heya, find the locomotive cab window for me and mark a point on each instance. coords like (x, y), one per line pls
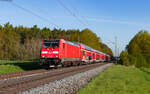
(51, 44)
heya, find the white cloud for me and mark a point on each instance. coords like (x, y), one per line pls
(117, 22)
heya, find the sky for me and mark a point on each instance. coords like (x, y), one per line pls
(107, 18)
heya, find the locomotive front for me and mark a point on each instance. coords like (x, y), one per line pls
(50, 52)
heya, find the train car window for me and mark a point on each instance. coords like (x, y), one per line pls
(93, 54)
(90, 57)
(83, 53)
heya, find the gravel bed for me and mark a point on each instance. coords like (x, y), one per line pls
(68, 85)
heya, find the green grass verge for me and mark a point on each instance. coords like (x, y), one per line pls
(9, 69)
(119, 80)
(6, 62)
(7, 66)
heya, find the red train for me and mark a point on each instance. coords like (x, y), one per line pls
(61, 52)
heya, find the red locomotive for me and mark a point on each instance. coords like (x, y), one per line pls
(61, 52)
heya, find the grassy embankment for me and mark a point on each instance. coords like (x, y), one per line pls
(119, 80)
(17, 66)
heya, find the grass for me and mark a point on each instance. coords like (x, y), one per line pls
(119, 80)
(7, 66)
(9, 69)
(146, 70)
(6, 62)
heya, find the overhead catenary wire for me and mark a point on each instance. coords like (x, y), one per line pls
(114, 43)
(83, 17)
(73, 14)
(33, 13)
(85, 20)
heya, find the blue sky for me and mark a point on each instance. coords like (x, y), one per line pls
(107, 18)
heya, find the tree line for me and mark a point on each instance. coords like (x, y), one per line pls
(23, 43)
(137, 52)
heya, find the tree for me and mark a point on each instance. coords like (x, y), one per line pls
(89, 38)
(106, 49)
(138, 49)
(23, 43)
(124, 58)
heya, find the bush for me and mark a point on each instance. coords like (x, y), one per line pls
(132, 60)
(141, 62)
(124, 58)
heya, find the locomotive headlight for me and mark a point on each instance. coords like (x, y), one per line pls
(56, 56)
(55, 52)
(44, 52)
(43, 56)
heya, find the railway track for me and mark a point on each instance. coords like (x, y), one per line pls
(24, 82)
(15, 75)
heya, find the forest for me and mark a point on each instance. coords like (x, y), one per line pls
(137, 52)
(23, 43)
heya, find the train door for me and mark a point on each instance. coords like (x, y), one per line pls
(64, 49)
(94, 57)
(83, 56)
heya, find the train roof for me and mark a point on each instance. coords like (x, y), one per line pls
(52, 39)
(86, 47)
(90, 49)
(72, 43)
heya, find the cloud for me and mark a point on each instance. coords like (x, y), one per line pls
(117, 22)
